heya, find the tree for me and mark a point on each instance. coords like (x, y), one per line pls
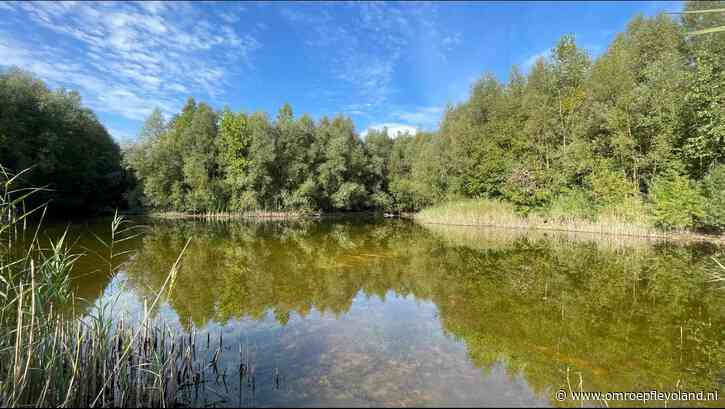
(69, 150)
(704, 142)
(200, 166)
(645, 120)
(713, 186)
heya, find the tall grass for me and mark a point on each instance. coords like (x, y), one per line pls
(498, 238)
(494, 213)
(50, 360)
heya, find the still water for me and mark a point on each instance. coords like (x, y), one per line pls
(392, 313)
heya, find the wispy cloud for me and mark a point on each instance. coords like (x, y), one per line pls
(127, 58)
(422, 117)
(371, 42)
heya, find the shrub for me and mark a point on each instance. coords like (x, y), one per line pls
(631, 209)
(382, 200)
(609, 187)
(575, 203)
(677, 204)
(407, 194)
(525, 188)
(349, 196)
(713, 186)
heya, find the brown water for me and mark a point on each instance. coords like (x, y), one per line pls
(391, 313)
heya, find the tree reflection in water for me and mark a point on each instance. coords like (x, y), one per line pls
(361, 312)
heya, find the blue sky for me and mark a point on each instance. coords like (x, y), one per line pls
(396, 64)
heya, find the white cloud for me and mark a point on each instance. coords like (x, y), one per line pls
(177, 87)
(423, 117)
(452, 40)
(532, 59)
(154, 7)
(229, 17)
(129, 58)
(121, 135)
(412, 121)
(394, 129)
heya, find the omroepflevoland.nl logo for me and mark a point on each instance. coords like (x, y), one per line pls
(642, 396)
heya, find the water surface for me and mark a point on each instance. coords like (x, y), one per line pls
(390, 313)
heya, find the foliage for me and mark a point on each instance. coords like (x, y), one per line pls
(677, 202)
(204, 161)
(609, 187)
(593, 138)
(68, 150)
(590, 136)
(713, 186)
(572, 203)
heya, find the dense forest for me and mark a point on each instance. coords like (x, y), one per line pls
(60, 145)
(638, 130)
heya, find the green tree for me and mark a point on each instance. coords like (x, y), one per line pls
(713, 186)
(70, 151)
(677, 203)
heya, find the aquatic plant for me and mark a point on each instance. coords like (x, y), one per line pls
(50, 360)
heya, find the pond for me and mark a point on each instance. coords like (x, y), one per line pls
(379, 312)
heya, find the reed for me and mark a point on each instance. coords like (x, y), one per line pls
(499, 238)
(50, 360)
(494, 213)
(718, 275)
(99, 363)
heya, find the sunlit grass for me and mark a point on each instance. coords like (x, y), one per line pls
(495, 213)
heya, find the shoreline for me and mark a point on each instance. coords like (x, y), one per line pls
(676, 236)
(583, 228)
(267, 215)
(225, 215)
(497, 214)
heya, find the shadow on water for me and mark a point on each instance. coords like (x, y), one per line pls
(392, 313)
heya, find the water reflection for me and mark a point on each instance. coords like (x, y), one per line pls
(392, 313)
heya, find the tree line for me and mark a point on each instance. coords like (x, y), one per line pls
(641, 129)
(638, 130)
(202, 160)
